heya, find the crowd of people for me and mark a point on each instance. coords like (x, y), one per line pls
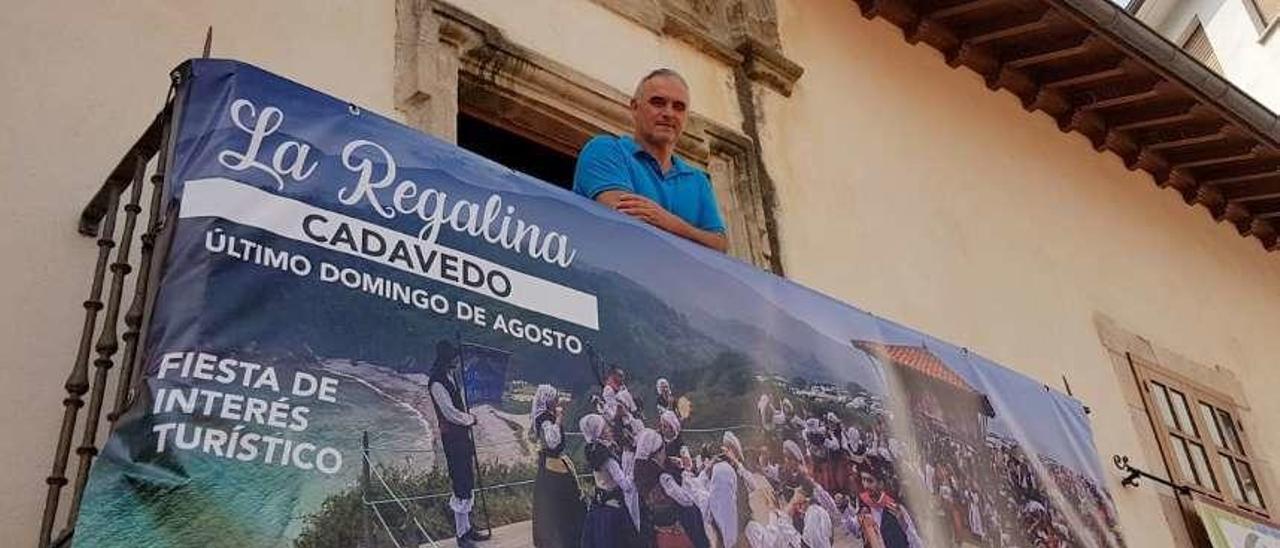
(650, 487)
(963, 489)
(805, 476)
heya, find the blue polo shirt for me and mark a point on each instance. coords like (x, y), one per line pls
(618, 163)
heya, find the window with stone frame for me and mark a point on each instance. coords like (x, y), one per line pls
(1197, 45)
(1201, 438)
(1266, 11)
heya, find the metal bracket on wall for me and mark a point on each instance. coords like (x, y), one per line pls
(1131, 480)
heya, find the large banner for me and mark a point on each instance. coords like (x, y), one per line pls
(364, 336)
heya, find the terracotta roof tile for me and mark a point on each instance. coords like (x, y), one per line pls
(918, 358)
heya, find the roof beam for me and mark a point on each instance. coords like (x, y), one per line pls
(1188, 141)
(1238, 216)
(1264, 208)
(1256, 197)
(1004, 30)
(1141, 123)
(1264, 189)
(1123, 146)
(960, 8)
(1118, 95)
(1096, 74)
(1210, 160)
(1087, 123)
(1052, 53)
(894, 11)
(1124, 99)
(1243, 178)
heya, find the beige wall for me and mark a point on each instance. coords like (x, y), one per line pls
(82, 79)
(909, 189)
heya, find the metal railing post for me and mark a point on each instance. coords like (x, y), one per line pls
(133, 319)
(78, 380)
(107, 343)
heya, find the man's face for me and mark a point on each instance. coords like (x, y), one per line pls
(870, 483)
(659, 112)
(842, 501)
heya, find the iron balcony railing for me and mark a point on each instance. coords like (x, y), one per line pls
(114, 216)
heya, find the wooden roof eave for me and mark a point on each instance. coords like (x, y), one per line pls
(1098, 71)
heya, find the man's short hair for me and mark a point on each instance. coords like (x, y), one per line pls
(655, 73)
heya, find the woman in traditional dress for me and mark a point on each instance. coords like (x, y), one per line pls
(679, 460)
(730, 487)
(722, 495)
(837, 458)
(809, 518)
(557, 501)
(614, 515)
(821, 455)
(663, 500)
(669, 428)
(794, 472)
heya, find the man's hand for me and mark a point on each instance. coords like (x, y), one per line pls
(650, 212)
(647, 210)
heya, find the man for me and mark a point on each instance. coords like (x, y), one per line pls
(666, 399)
(622, 411)
(642, 177)
(880, 520)
(455, 435)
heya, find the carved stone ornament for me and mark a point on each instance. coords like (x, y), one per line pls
(736, 32)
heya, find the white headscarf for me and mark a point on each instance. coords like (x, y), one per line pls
(648, 442)
(592, 427)
(730, 440)
(762, 405)
(778, 533)
(542, 400)
(670, 420)
(885, 453)
(663, 385)
(789, 447)
(813, 425)
(626, 401)
(757, 536)
(852, 436)
(723, 501)
(817, 527)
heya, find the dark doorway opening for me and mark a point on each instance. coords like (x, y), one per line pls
(515, 151)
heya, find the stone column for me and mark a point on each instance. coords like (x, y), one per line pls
(429, 49)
